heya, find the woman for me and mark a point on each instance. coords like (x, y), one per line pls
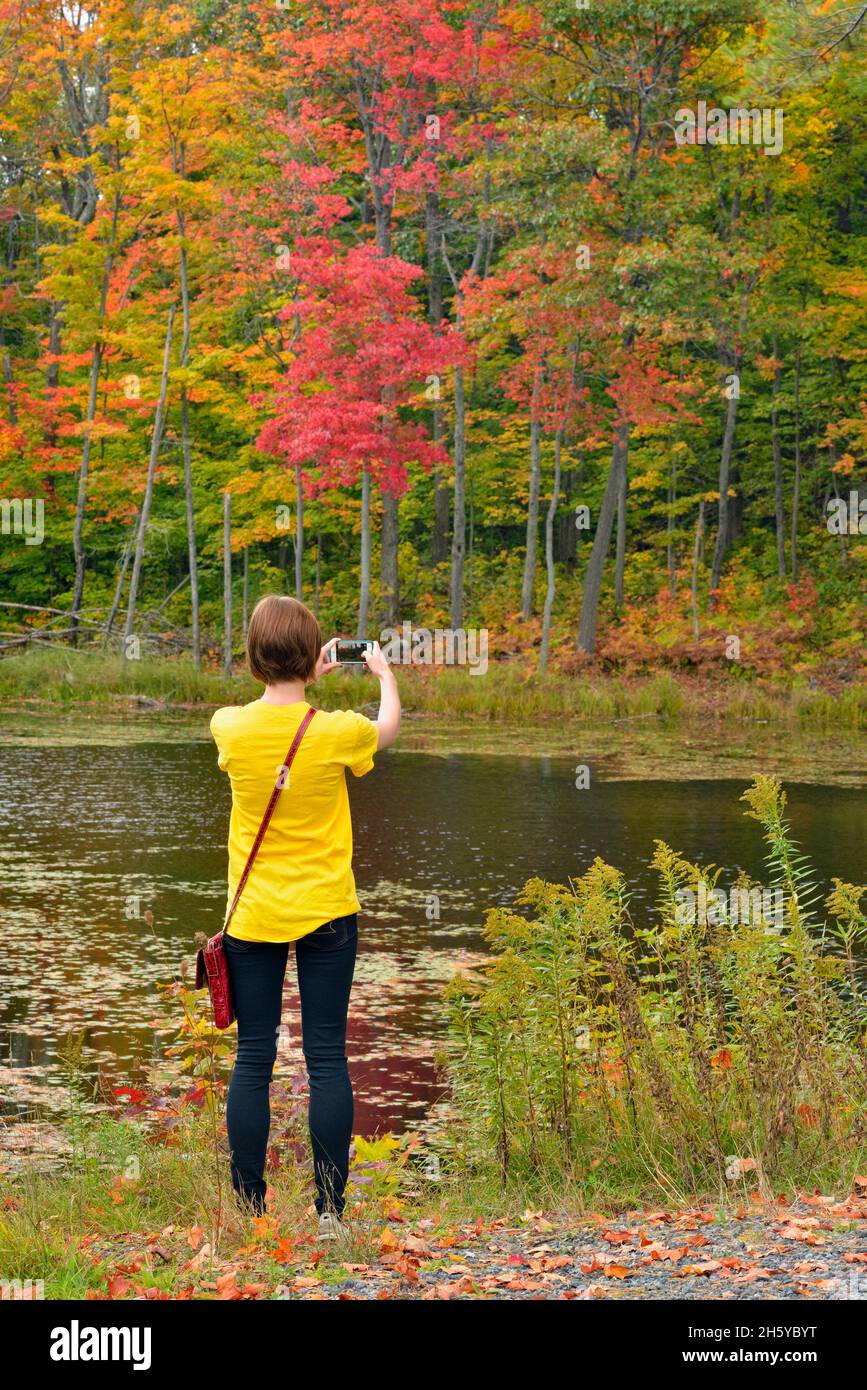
(300, 889)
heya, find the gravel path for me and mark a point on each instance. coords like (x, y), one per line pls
(811, 1249)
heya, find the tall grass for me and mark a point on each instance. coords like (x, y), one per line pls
(70, 677)
(666, 1057)
(507, 693)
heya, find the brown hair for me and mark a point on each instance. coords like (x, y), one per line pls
(283, 640)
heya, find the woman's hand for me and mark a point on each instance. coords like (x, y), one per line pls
(376, 662)
(324, 663)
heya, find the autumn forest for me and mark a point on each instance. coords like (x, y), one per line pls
(545, 318)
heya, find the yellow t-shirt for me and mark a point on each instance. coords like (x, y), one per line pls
(302, 874)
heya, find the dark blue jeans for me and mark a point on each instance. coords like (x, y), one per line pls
(325, 960)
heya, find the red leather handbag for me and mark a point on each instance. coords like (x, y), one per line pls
(212, 968)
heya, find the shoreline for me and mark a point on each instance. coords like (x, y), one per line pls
(648, 747)
(511, 692)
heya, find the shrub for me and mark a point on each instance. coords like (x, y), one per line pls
(684, 1056)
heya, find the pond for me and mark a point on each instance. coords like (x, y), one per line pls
(97, 830)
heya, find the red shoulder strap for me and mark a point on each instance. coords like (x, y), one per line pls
(269, 811)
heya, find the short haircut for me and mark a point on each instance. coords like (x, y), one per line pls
(284, 640)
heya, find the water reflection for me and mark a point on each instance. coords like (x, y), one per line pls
(94, 837)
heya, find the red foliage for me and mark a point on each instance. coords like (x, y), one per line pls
(361, 354)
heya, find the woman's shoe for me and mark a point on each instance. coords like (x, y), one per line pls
(332, 1228)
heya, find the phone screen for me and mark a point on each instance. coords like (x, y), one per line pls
(350, 651)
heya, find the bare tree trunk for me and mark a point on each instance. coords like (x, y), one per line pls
(620, 561)
(192, 557)
(602, 540)
(10, 389)
(379, 151)
(379, 157)
(471, 549)
(440, 542)
(299, 535)
(156, 441)
(670, 556)
(796, 489)
(669, 526)
(364, 588)
(528, 584)
(81, 499)
(566, 530)
(118, 590)
(459, 531)
(245, 595)
(318, 573)
(724, 472)
(52, 375)
(95, 367)
(439, 546)
(844, 542)
(459, 538)
(549, 556)
(86, 100)
(779, 503)
(696, 558)
(390, 589)
(192, 551)
(227, 583)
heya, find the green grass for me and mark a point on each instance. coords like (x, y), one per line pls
(508, 692)
(82, 677)
(71, 1227)
(83, 1224)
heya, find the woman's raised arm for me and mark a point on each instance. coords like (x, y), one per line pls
(388, 719)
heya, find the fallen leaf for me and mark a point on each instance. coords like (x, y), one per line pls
(194, 1237)
(227, 1287)
(388, 1241)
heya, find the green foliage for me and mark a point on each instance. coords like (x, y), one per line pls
(603, 1054)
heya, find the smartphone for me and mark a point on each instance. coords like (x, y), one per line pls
(350, 651)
